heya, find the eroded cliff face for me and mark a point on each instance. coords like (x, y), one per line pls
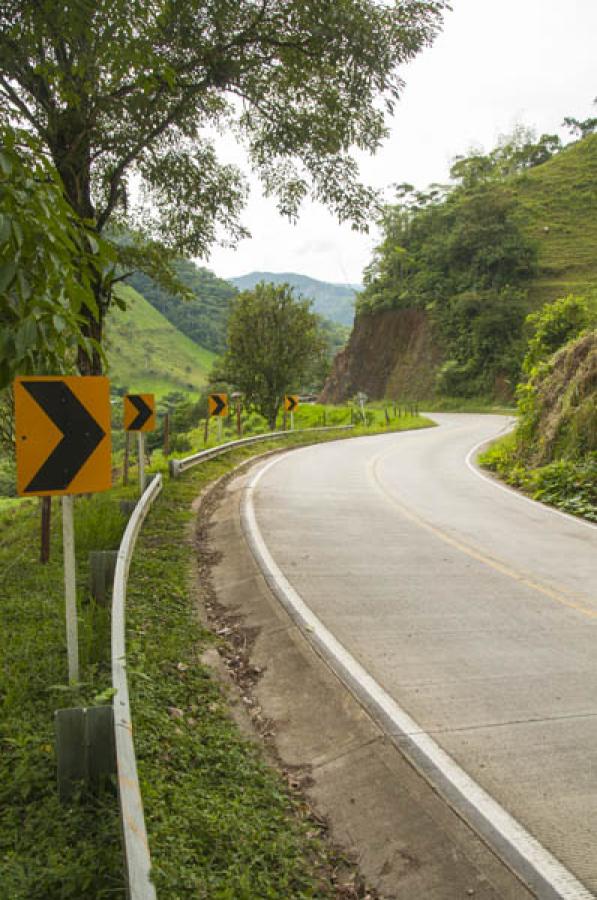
(390, 354)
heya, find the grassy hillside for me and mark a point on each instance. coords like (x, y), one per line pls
(147, 353)
(508, 237)
(557, 207)
(334, 301)
(202, 318)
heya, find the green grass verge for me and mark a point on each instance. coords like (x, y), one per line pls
(49, 851)
(221, 823)
(467, 405)
(569, 485)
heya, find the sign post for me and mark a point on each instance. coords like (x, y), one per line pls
(291, 402)
(63, 443)
(362, 398)
(139, 416)
(70, 588)
(217, 405)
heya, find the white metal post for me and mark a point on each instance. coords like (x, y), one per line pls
(220, 429)
(292, 421)
(70, 588)
(141, 454)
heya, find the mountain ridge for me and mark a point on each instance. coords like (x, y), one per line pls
(334, 300)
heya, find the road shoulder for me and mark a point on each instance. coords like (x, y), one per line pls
(407, 840)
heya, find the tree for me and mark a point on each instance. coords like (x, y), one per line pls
(274, 341)
(555, 324)
(48, 260)
(123, 91)
(583, 127)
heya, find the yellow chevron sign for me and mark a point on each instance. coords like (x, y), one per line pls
(63, 438)
(217, 404)
(291, 402)
(139, 412)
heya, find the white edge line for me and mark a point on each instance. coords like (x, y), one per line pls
(509, 490)
(536, 865)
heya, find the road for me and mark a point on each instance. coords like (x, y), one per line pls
(472, 607)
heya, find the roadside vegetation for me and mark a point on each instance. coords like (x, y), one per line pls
(49, 850)
(552, 455)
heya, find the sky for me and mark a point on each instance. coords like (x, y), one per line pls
(496, 64)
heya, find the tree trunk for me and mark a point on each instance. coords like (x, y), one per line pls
(72, 158)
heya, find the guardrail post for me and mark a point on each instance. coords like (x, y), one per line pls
(102, 565)
(84, 748)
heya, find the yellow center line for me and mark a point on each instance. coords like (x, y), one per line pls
(496, 565)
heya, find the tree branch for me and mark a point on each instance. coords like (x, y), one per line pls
(14, 98)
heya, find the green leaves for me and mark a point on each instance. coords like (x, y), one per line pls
(48, 263)
(273, 342)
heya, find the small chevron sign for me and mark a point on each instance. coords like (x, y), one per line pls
(217, 404)
(139, 412)
(291, 402)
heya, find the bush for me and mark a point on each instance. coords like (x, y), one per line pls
(8, 479)
(555, 324)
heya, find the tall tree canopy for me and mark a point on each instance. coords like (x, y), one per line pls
(125, 92)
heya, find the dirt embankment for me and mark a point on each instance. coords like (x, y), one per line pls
(566, 403)
(390, 354)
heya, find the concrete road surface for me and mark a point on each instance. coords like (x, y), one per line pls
(472, 607)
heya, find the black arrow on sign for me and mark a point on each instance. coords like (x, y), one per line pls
(220, 405)
(81, 435)
(143, 412)
(291, 404)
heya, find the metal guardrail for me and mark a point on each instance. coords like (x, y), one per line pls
(136, 848)
(177, 466)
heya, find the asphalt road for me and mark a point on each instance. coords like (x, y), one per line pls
(475, 609)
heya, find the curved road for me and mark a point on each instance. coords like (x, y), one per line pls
(473, 608)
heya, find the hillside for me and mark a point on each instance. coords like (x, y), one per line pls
(202, 318)
(334, 301)
(466, 336)
(147, 353)
(557, 207)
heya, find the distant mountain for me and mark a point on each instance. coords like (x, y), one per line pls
(334, 301)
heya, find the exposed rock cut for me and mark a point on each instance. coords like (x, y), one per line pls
(390, 354)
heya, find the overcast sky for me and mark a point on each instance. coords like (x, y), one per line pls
(497, 63)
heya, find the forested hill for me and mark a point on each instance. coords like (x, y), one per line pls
(203, 318)
(448, 289)
(331, 300)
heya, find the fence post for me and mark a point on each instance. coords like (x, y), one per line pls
(125, 464)
(46, 519)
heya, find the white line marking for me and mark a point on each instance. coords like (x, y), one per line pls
(555, 877)
(509, 490)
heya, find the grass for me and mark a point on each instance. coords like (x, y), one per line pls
(49, 851)
(149, 355)
(222, 824)
(467, 405)
(557, 207)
